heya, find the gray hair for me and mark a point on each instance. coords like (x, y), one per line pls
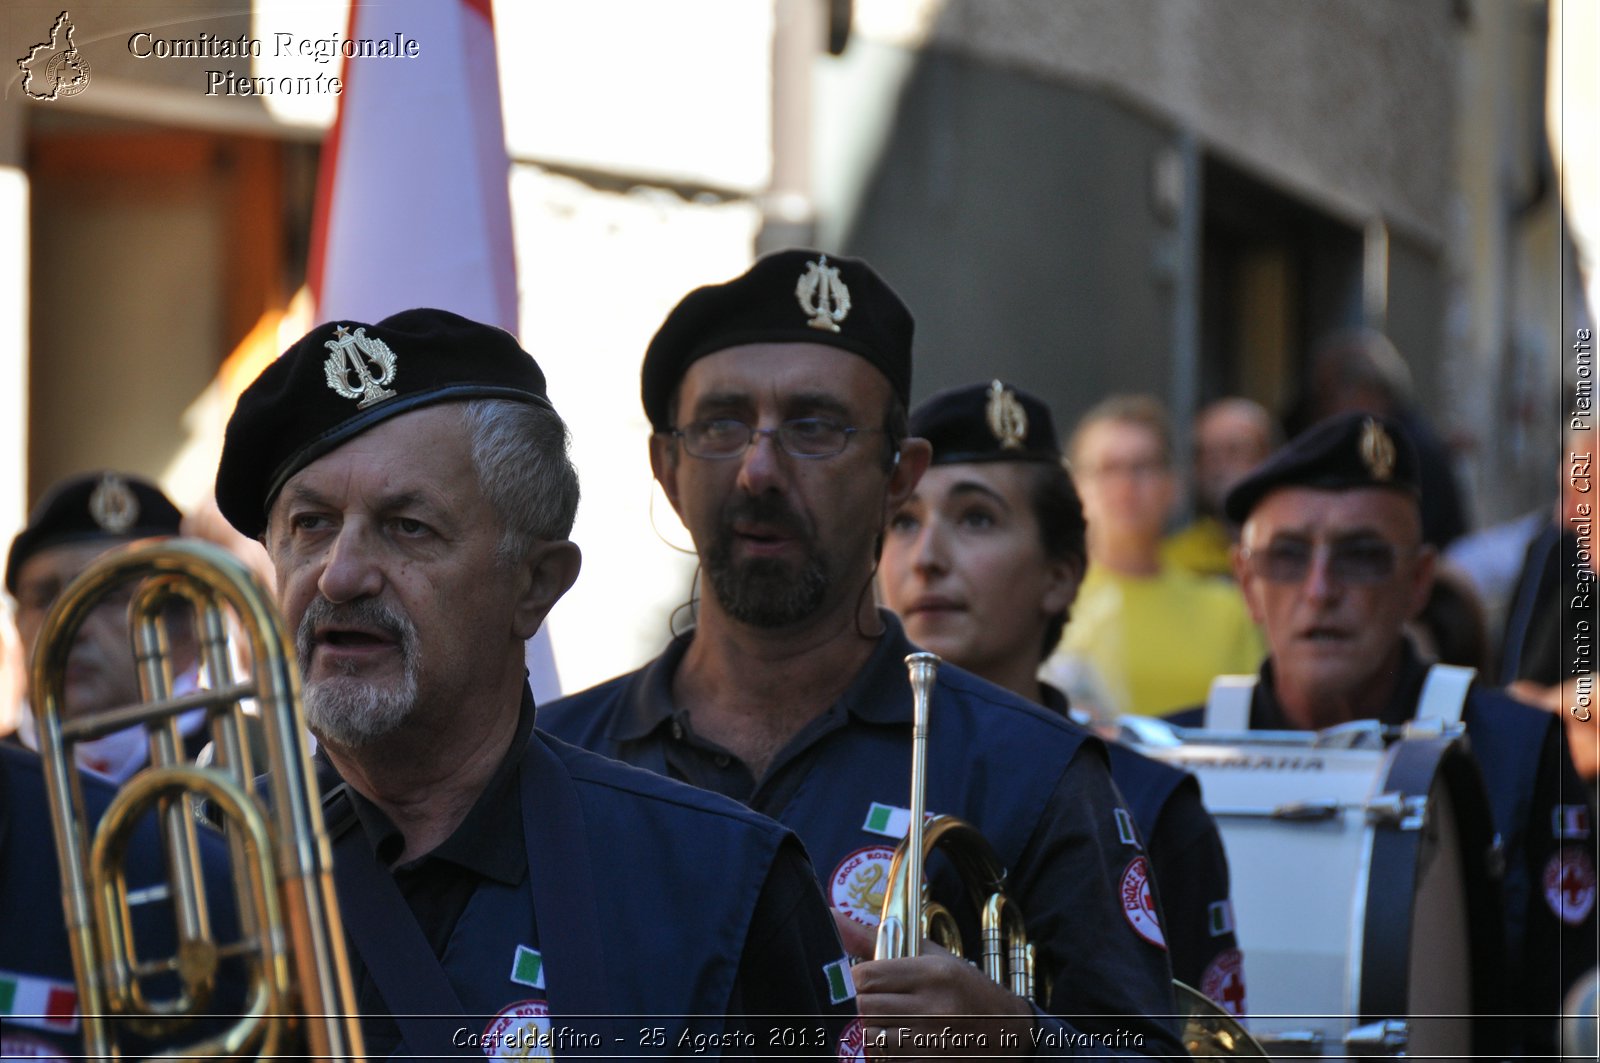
(519, 450)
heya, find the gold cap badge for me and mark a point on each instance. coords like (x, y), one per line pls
(1007, 419)
(1377, 451)
(357, 354)
(113, 504)
(823, 295)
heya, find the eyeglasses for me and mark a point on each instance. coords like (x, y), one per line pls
(1357, 561)
(801, 437)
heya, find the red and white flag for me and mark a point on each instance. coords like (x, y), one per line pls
(413, 200)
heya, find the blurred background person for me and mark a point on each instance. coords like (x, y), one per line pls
(1490, 559)
(982, 564)
(1453, 627)
(78, 520)
(1231, 436)
(1359, 369)
(1545, 659)
(1146, 636)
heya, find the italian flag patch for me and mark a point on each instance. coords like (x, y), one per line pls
(527, 968)
(40, 1003)
(887, 820)
(841, 987)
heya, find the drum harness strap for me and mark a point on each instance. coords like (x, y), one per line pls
(1444, 695)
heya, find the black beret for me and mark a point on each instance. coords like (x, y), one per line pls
(986, 422)
(793, 296)
(344, 377)
(1346, 451)
(101, 505)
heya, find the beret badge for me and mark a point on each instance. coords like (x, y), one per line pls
(1007, 419)
(822, 294)
(112, 504)
(1377, 451)
(357, 354)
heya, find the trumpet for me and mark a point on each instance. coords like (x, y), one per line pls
(291, 941)
(907, 917)
(1007, 956)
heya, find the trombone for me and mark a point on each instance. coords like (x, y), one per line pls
(291, 941)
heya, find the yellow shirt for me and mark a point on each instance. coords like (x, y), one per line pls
(1152, 646)
(1203, 547)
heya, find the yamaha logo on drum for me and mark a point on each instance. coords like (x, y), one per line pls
(1245, 762)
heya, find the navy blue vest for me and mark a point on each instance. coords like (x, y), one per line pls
(637, 903)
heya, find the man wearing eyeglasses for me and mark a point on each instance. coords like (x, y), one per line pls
(778, 401)
(1333, 565)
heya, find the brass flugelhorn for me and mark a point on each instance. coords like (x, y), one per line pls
(1007, 957)
(291, 943)
(908, 917)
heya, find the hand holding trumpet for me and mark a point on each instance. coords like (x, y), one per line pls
(932, 1005)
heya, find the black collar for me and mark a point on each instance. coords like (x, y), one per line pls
(487, 842)
(879, 693)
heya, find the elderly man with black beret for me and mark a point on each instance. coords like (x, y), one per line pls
(1333, 564)
(411, 484)
(77, 521)
(778, 401)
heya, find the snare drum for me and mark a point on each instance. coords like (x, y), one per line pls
(1366, 904)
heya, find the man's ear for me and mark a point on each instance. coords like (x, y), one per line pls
(1246, 580)
(1422, 579)
(664, 467)
(546, 574)
(909, 463)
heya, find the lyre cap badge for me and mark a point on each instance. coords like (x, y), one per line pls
(1007, 419)
(113, 504)
(1377, 451)
(823, 295)
(352, 353)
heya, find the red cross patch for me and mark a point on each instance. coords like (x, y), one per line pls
(1569, 884)
(853, 1041)
(858, 885)
(1223, 982)
(1139, 902)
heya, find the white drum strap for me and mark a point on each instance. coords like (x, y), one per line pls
(1228, 705)
(1444, 693)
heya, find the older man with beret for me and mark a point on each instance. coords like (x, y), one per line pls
(410, 482)
(78, 520)
(1333, 564)
(778, 401)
